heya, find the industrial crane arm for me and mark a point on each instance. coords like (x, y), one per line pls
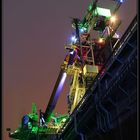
(55, 94)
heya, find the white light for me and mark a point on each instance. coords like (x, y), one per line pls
(113, 19)
(121, 1)
(16, 131)
(71, 52)
(82, 30)
(64, 119)
(116, 35)
(73, 38)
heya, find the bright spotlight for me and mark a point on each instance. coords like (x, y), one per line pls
(101, 40)
(73, 38)
(121, 1)
(113, 19)
(83, 29)
(72, 52)
(116, 35)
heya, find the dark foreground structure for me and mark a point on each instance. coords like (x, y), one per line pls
(109, 109)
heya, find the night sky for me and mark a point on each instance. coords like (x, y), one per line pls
(34, 33)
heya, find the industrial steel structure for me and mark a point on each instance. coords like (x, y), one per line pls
(102, 99)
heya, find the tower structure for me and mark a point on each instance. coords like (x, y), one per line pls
(86, 63)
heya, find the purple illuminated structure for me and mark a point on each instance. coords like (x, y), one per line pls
(55, 94)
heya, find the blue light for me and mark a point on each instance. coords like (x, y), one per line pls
(74, 39)
(121, 1)
(83, 30)
(25, 120)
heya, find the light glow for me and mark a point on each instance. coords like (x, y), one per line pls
(116, 35)
(112, 19)
(121, 1)
(64, 119)
(71, 52)
(101, 40)
(74, 39)
(59, 88)
(103, 12)
(83, 30)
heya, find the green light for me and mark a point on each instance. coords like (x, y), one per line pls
(54, 118)
(29, 125)
(35, 129)
(34, 108)
(90, 7)
(103, 12)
